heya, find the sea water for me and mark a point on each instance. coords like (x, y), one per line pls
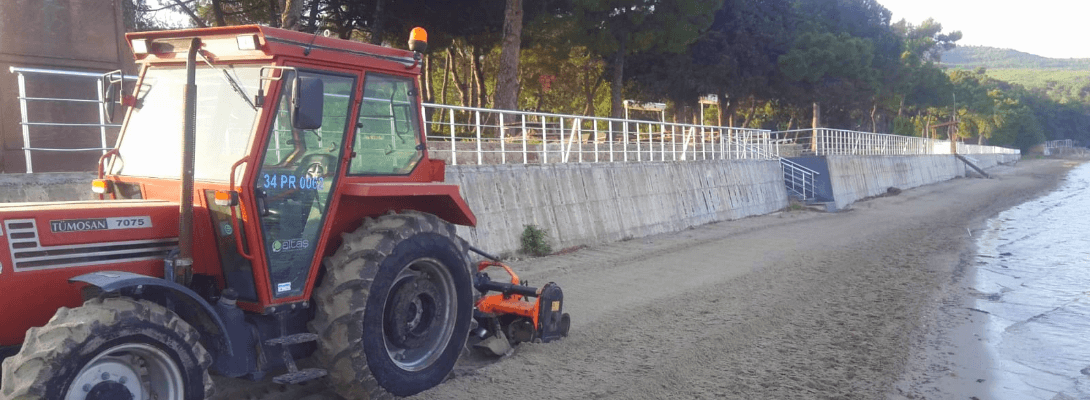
(1033, 275)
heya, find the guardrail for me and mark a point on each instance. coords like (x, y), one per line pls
(25, 100)
(823, 141)
(799, 180)
(466, 135)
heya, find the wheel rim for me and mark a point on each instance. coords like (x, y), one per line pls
(419, 314)
(139, 370)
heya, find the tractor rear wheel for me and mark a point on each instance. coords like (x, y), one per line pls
(394, 308)
(114, 348)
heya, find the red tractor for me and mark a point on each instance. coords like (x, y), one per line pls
(301, 216)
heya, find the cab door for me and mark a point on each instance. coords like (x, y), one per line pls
(297, 173)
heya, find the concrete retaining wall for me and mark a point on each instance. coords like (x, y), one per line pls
(586, 203)
(857, 177)
(48, 186)
(579, 204)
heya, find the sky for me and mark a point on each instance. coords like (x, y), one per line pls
(1049, 28)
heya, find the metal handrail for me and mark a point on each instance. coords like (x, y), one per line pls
(492, 136)
(825, 141)
(25, 100)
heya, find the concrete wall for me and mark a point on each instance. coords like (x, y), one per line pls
(858, 177)
(584, 203)
(49, 186)
(579, 204)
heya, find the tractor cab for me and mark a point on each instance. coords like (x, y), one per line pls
(282, 119)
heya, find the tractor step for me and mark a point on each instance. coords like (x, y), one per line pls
(292, 339)
(297, 377)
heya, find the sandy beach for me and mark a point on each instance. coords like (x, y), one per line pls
(866, 303)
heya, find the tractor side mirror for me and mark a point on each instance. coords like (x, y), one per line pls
(307, 102)
(113, 88)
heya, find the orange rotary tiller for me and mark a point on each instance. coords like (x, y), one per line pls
(515, 312)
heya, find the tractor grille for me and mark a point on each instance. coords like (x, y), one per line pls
(27, 253)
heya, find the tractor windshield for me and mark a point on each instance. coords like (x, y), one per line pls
(150, 146)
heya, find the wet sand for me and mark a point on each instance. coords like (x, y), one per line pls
(865, 303)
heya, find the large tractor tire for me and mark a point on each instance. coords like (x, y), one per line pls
(394, 309)
(114, 348)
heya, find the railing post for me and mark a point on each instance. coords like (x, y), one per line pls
(595, 139)
(563, 154)
(26, 127)
(662, 142)
(624, 128)
(611, 139)
(477, 122)
(102, 114)
(544, 141)
(579, 138)
(703, 143)
(673, 141)
(453, 141)
(503, 141)
(525, 138)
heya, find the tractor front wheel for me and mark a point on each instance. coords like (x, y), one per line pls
(114, 348)
(394, 309)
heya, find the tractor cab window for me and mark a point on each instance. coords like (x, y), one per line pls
(297, 174)
(388, 133)
(224, 123)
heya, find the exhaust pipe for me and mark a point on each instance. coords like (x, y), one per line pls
(183, 265)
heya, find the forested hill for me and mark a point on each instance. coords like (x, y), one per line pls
(971, 57)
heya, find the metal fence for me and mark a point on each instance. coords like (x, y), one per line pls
(800, 181)
(26, 100)
(822, 141)
(466, 135)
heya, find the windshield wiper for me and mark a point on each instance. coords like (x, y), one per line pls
(230, 81)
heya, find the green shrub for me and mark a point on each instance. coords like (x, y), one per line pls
(534, 241)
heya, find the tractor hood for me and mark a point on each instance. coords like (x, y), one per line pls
(41, 236)
(42, 245)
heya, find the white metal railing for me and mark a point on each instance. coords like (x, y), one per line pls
(466, 135)
(799, 180)
(1057, 146)
(26, 100)
(823, 141)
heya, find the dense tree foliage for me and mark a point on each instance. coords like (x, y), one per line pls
(773, 64)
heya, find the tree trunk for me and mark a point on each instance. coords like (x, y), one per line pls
(313, 25)
(192, 15)
(426, 84)
(289, 19)
(377, 22)
(752, 110)
(446, 77)
(616, 103)
(540, 98)
(901, 107)
(590, 91)
(478, 77)
(217, 11)
(721, 109)
(463, 88)
(274, 12)
(873, 117)
(506, 96)
(732, 106)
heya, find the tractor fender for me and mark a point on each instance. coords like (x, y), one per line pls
(185, 302)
